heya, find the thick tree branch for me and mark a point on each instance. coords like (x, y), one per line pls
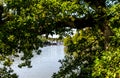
(78, 23)
(1, 11)
(96, 3)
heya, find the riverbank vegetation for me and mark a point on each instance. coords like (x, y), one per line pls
(93, 52)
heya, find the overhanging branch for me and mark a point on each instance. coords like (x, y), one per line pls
(78, 23)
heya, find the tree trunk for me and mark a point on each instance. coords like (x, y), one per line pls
(107, 32)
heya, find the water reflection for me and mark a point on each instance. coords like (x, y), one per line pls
(43, 65)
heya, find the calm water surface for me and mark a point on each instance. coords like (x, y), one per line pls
(44, 65)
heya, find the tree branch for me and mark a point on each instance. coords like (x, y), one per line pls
(78, 23)
(1, 11)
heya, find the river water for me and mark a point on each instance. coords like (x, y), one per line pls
(44, 65)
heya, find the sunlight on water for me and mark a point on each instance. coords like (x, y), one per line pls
(44, 65)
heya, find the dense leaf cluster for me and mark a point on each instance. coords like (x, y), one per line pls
(87, 58)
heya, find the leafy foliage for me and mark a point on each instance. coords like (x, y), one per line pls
(108, 65)
(83, 48)
(87, 58)
(23, 22)
(6, 72)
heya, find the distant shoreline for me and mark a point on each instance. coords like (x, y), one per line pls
(52, 43)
